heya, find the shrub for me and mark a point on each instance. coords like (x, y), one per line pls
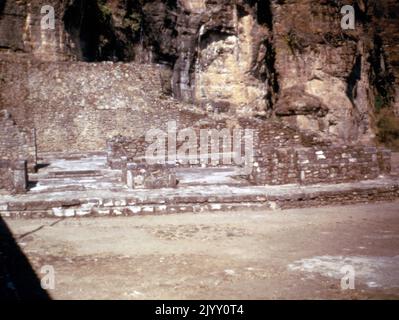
(388, 128)
(105, 12)
(133, 22)
(293, 42)
(382, 101)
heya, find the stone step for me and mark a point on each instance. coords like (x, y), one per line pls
(75, 180)
(73, 174)
(75, 177)
(47, 157)
(50, 186)
(113, 202)
(210, 176)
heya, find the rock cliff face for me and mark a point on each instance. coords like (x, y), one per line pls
(221, 55)
(267, 58)
(20, 30)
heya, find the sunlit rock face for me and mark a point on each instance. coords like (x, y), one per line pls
(222, 57)
(270, 58)
(251, 57)
(20, 30)
(194, 6)
(315, 56)
(223, 74)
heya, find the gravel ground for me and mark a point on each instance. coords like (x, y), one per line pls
(290, 254)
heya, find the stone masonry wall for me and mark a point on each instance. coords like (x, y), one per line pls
(342, 164)
(6, 176)
(135, 149)
(13, 176)
(282, 155)
(287, 58)
(77, 106)
(266, 134)
(275, 166)
(121, 149)
(16, 143)
(333, 164)
(143, 176)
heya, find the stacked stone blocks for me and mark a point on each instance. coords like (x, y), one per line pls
(17, 154)
(333, 164)
(282, 155)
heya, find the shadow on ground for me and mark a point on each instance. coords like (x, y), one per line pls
(18, 281)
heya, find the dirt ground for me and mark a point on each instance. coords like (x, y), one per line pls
(290, 254)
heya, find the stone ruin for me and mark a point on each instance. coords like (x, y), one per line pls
(282, 156)
(17, 154)
(68, 152)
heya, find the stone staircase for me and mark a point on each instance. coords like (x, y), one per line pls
(85, 171)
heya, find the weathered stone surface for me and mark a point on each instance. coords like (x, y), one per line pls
(154, 176)
(17, 154)
(77, 106)
(295, 102)
(211, 199)
(17, 143)
(241, 57)
(332, 164)
(20, 30)
(287, 61)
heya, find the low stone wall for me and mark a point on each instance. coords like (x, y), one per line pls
(266, 134)
(13, 176)
(134, 149)
(144, 176)
(282, 155)
(17, 143)
(333, 164)
(121, 149)
(342, 164)
(6, 176)
(148, 202)
(274, 166)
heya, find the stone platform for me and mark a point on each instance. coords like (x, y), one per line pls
(83, 185)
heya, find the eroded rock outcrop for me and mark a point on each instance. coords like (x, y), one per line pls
(265, 58)
(20, 30)
(244, 56)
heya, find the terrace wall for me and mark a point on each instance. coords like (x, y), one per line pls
(77, 106)
(333, 164)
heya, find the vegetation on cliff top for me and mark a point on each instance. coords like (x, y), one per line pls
(388, 128)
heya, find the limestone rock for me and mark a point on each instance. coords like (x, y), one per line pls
(294, 101)
(242, 57)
